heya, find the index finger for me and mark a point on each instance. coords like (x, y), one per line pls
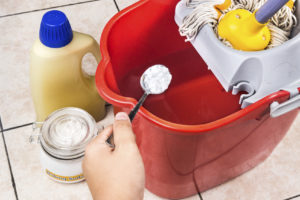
(102, 137)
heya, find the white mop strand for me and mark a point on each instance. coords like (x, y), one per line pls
(204, 12)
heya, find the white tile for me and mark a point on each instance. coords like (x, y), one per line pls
(6, 189)
(125, 3)
(31, 182)
(17, 36)
(16, 107)
(17, 6)
(277, 178)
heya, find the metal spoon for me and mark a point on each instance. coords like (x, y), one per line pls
(155, 80)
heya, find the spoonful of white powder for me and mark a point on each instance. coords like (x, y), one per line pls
(155, 80)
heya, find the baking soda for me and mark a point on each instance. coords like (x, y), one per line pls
(69, 132)
(157, 79)
(64, 136)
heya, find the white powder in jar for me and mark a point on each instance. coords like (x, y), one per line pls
(69, 132)
(156, 79)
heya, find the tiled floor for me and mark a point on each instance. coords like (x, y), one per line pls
(7, 191)
(277, 178)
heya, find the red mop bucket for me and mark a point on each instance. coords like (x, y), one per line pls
(194, 136)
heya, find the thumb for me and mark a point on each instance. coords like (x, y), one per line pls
(123, 133)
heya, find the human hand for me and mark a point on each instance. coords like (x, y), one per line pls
(115, 174)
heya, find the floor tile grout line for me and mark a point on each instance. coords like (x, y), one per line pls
(196, 186)
(36, 10)
(117, 6)
(293, 197)
(15, 127)
(8, 160)
(28, 124)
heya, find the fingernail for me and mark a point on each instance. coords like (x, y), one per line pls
(121, 116)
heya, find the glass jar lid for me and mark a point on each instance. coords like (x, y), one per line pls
(66, 132)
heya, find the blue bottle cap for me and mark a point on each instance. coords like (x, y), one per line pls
(55, 30)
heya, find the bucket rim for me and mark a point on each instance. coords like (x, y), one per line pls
(127, 102)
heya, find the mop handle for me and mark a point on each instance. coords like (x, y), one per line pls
(269, 9)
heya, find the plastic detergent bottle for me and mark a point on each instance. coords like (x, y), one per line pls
(57, 78)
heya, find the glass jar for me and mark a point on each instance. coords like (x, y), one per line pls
(64, 136)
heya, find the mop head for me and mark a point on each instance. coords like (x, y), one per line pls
(204, 12)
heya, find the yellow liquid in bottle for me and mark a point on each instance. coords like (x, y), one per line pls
(57, 79)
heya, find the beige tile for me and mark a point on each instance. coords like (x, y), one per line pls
(276, 178)
(12, 7)
(30, 181)
(6, 189)
(17, 36)
(16, 108)
(125, 3)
